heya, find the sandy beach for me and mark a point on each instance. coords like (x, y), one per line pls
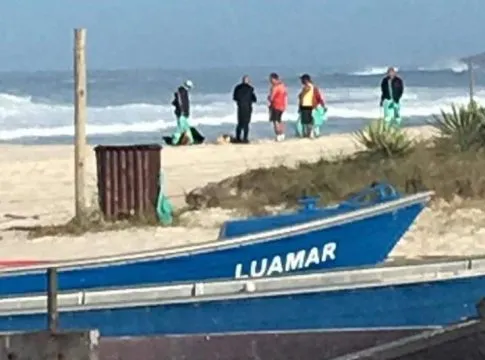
(36, 187)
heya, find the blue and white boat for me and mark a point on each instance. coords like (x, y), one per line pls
(385, 298)
(358, 232)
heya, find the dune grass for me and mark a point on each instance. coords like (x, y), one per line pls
(452, 164)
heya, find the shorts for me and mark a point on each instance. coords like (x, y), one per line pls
(275, 115)
(306, 115)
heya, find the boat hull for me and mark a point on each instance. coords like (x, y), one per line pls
(364, 237)
(415, 305)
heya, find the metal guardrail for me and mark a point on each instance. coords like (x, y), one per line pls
(211, 290)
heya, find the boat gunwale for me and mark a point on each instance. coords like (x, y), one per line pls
(238, 289)
(217, 245)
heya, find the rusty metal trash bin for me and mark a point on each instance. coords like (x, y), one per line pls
(128, 180)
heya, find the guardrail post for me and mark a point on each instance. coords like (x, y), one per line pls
(52, 311)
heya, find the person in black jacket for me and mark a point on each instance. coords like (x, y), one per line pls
(244, 97)
(393, 83)
(181, 103)
(392, 89)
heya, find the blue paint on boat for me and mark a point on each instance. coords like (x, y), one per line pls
(364, 236)
(375, 194)
(417, 305)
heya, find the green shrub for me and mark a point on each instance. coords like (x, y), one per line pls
(464, 126)
(384, 139)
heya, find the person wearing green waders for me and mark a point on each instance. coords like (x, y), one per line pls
(311, 127)
(392, 88)
(181, 103)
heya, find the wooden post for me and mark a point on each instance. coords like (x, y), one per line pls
(52, 311)
(79, 121)
(471, 80)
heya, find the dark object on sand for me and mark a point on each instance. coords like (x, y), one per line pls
(196, 134)
(228, 139)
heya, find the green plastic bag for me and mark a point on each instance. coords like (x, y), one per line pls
(183, 128)
(319, 118)
(299, 127)
(164, 205)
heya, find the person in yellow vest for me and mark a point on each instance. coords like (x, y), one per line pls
(305, 108)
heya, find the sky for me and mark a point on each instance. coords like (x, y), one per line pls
(190, 34)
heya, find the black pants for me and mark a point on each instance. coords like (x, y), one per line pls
(306, 120)
(306, 115)
(243, 120)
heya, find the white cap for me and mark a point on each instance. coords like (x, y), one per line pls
(188, 84)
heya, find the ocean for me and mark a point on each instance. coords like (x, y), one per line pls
(133, 106)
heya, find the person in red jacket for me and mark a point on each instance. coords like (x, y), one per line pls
(319, 111)
(318, 97)
(277, 102)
